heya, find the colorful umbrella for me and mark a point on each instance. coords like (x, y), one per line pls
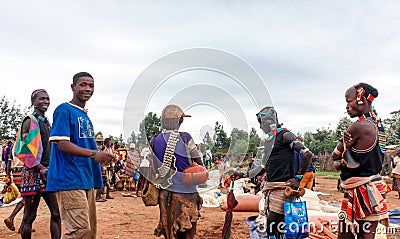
(231, 204)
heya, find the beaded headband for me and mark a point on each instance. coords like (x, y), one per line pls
(36, 92)
(360, 93)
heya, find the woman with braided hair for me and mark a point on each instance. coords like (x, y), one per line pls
(364, 198)
(179, 203)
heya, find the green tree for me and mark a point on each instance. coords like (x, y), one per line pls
(142, 138)
(321, 142)
(342, 125)
(239, 142)
(308, 138)
(118, 139)
(207, 141)
(393, 128)
(203, 147)
(149, 126)
(240, 134)
(239, 148)
(132, 139)
(11, 116)
(113, 138)
(299, 136)
(254, 141)
(220, 137)
(330, 143)
(121, 141)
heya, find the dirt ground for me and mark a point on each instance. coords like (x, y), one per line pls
(127, 217)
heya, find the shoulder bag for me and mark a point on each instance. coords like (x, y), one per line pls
(150, 192)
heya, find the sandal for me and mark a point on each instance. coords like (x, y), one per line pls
(9, 223)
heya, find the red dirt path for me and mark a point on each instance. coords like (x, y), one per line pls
(126, 217)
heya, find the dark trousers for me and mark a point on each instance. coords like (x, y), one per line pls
(30, 211)
(274, 224)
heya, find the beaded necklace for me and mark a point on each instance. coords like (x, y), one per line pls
(274, 130)
(369, 115)
(43, 119)
(382, 136)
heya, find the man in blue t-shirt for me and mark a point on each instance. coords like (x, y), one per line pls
(75, 170)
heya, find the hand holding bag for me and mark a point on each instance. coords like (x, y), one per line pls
(296, 220)
(194, 174)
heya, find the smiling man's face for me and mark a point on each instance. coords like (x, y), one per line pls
(83, 89)
(41, 102)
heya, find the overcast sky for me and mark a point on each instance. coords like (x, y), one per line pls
(307, 54)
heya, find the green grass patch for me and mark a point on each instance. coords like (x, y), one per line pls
(319, 173)
(329, 175)
(335, 177)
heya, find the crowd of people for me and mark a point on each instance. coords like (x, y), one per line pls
(66, 167)
(122, 173)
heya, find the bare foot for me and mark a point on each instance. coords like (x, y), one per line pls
(9, 223)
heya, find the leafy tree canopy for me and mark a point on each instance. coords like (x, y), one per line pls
(11, 116)
(393, 127)
(149, 126)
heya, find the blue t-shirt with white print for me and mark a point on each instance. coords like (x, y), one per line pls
(68, 172)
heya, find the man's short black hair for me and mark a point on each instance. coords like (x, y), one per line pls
(107, 140)
(79, 75)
